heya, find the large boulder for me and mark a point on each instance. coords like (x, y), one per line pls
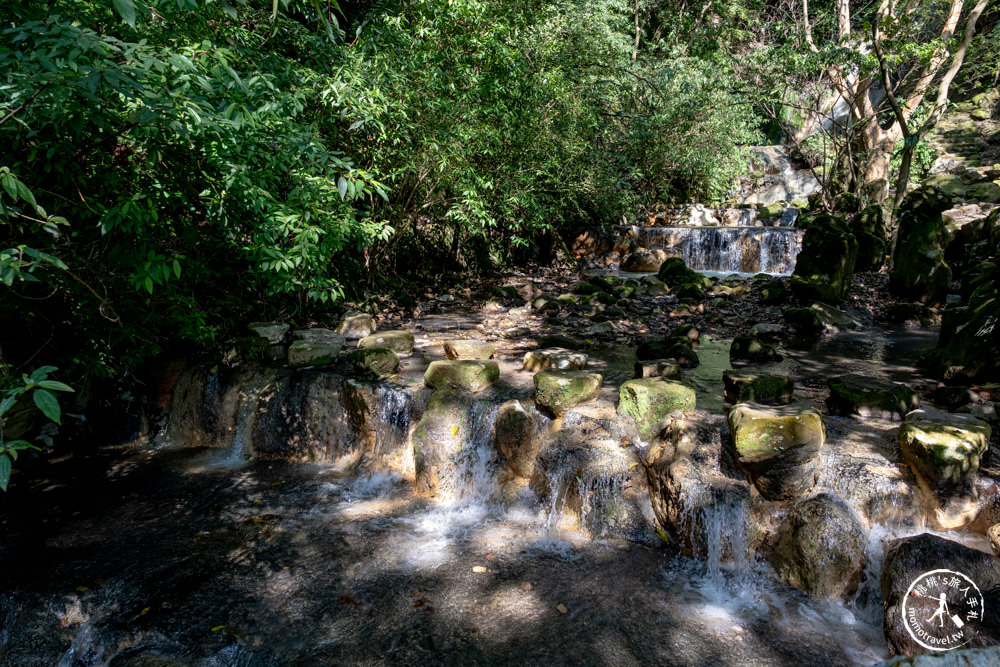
(943, 450)
(968, 346)
(870, 397)
(469, 375)
(917, 572)
(468, 349)
(871, 229)
(675, 272)
(777, 447)
(919, 271)
(651, 401)
(749, 385)
(644, 260)
(826, 262)
(556, 391)
(806, 322)
(272, 332)
(554, 357)
(439, 440)
(400, 342)
(820, 547)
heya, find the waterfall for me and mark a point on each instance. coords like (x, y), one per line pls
(727, 249)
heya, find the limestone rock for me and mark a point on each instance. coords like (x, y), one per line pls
(820, 547)
(870, 397)
(378, 361)
(906, 561)
(356, 325)
(554, 357)
(313, 353)
(469, 375)
(468, 349)
(558, 390)
(871, 230)
(651, 401)
(749, 385)
(273, 332)
(439, 438)
(777, 446)
(400, 342)
(644, 260)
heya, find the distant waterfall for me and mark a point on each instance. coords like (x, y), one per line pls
(728, 249)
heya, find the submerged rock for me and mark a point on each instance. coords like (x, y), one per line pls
(468, 349)
(911, 562)
(651, 401)
(554, 357)
(400, 342)
(820, 547)
(462, 375)
(556, 391)
(777, 446)
(516, 438)
(748, 385)
(439, 439)
(870, 397)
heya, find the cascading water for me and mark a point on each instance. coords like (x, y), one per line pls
(726, 249)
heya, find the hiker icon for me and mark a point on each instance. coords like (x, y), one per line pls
(941, 611)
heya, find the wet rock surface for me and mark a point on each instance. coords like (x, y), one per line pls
(870, 397)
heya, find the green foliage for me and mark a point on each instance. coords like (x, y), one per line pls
(222, 161)
(40, 387)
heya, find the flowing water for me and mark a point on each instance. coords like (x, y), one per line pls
(747, 250)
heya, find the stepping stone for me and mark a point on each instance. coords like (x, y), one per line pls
(400, 342)
(319, 334)
(870, 397)
(555, 357)
(470, 375)
(273, 332)
(356, 325)
(651, 401)
(664, 368)
(378, 361)
(468, 349)
(943, 448)
(748, 385)
(558, 390)
(777, 447)
(313, 352)
(516, 438)
(745, 348)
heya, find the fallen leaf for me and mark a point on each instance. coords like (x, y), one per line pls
(218, 627)
(145, 611)
(526, 585)
(479, 568)
(561, 608)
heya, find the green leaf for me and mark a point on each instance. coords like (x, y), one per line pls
(55, 386)
(48, 404)
(126, 8)
(177, 268)
(149, 284)
(342, 186)
(4, 471)
(7, 403)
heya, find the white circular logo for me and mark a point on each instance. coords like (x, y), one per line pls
(939, 608)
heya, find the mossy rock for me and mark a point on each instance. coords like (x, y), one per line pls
(981, 114)
(753, 386)
(986, 191)
(506, 292)
(439, 437)
(690, 292)
(469, 349)
(903, 312)
(462, 375)
(773, 291)
(770, 211)
(378, 361)
(567, 299)
(680, 349)
(554, 357)
(400, 342)
(644, 260)
(313, 352)
(919, 270)
(748, 348)
(651, 401)
(674, 272)
(944, 448)
(516, 438)
(870, 397)
(870, 228)
(561, 340)
(847, 202)
(557, 391)
(688, 331)
(777, 446)
(661, 368)
(806, 321)
(951, 185)
(824, 266)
